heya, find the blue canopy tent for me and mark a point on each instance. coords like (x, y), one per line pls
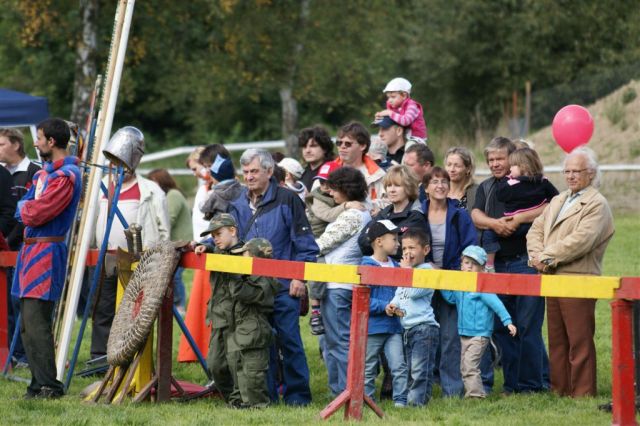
(22, 110)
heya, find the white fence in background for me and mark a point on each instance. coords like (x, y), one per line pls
(241, 146)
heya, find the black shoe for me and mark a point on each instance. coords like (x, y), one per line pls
(236, 405)
(317, 328)
(608, 407)
(29, 395)
(48, 393)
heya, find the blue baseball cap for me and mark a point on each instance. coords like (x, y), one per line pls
(222, 169)
(385, 123)
(476, 253)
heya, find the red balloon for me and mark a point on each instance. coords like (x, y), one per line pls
(572, 126)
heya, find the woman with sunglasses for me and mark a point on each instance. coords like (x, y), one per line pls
(451, 231)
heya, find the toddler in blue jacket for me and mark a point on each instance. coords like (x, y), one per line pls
(385, 333)
(475, 322)
(421, 331)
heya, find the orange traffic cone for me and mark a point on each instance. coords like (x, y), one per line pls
(196, 318)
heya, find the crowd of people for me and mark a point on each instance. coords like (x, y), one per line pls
(341, 203)
(417, 214)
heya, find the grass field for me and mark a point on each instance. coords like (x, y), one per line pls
(544, 409)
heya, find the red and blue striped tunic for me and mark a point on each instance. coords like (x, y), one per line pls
(47, 210)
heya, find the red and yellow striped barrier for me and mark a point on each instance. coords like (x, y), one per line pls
(591, 287)
(622, 289)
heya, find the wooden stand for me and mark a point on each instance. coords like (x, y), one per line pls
(353, 397)
(121, 378)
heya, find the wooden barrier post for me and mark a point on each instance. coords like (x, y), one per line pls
(353, 396)
(623, 390)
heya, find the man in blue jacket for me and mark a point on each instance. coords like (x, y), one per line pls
(266, 210)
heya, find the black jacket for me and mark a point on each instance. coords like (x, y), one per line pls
(22, 181)
(7, 203)
(411, 217)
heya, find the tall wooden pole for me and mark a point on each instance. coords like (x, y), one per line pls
(527, 108)
(122, 25)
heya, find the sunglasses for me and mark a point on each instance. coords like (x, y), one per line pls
(347, 144)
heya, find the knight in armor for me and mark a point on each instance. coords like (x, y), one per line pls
(47, 212)
(141, 201)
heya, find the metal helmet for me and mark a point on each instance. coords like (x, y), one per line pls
(125, 148)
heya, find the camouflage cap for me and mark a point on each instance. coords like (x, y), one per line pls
(218, 221)
(257, 247)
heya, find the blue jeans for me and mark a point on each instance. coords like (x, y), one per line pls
(393, 349)
(295, 371)
(448, 363)
(524, 357)
(179, 296)
(421, 343)
(336, 316)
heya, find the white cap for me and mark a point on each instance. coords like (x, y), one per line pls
(292, 166)
(398, 84)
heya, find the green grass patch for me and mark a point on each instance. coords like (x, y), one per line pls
(615, 112)
(543, 409)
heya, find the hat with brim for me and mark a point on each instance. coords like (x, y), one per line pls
(380, 228)
(476, 253)
(219, 221)
(385, 123)
(257, 247)
(326, 169)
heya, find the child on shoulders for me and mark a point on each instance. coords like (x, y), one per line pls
(402, 109)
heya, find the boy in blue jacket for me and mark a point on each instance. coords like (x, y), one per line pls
(421, 331)
(385, 333)
(475, 322)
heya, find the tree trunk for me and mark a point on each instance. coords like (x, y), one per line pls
(85, 72)
(288, 100)
(289, 121)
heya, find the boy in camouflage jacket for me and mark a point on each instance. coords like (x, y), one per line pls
(251, 332)
(224, 232)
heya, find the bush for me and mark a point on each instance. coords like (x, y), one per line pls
(629, 95)
(614, 112)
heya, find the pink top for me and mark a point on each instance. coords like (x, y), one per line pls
(409, 114)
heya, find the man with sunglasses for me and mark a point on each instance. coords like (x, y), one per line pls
(353, 142)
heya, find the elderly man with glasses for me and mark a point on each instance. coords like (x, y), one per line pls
(570, 238)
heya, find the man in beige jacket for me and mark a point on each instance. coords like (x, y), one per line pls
(570, 237)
